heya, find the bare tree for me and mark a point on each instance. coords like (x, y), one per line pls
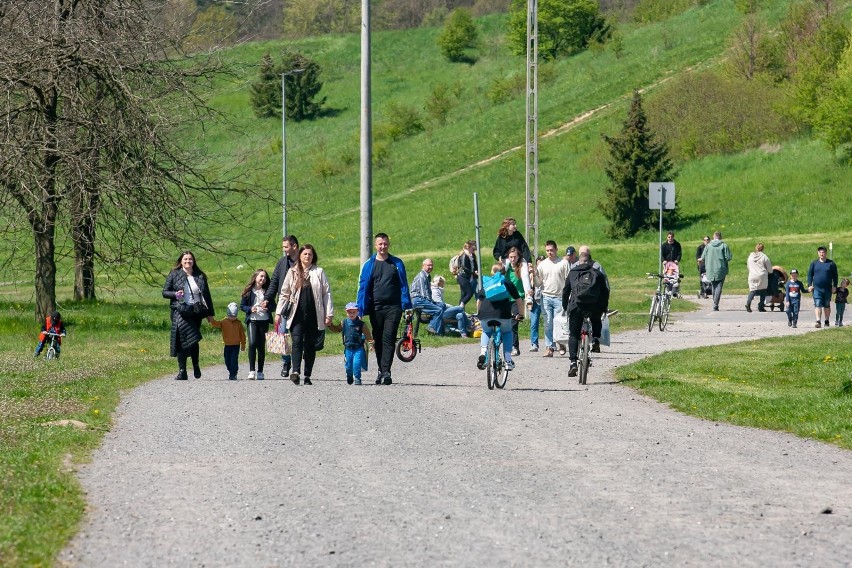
(91, 94)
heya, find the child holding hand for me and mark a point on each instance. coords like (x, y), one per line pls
(840, 296)
(234, 338)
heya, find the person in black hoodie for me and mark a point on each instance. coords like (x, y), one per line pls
(186, 287)
(507, 237)
(290, 246)
(580, 303)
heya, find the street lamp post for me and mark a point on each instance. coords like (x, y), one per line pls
(284, 148)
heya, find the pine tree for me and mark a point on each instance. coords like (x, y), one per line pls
(636, 159)
(303, 84)
(266, 91)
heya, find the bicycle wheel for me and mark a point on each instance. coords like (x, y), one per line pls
(654, 301)
(51, 353)
(584, 359)
(502, 375)
(491, 364)
(405, 349)
(665, 308)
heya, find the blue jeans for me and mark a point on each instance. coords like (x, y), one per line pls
(355, 360)
(232, 358)
(457, 314)
(551, 305)
(505, 337)
(793, 312)
(431, 308)
(535, 317)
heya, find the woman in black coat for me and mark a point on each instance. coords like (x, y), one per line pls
(507, 237)
(186, 287)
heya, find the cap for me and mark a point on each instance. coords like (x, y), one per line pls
(821, 248)
(351, 306)
(569, 251)
(232, 309)
(794, 271)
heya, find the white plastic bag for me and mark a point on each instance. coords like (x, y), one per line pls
(605, 335)
(560, 326)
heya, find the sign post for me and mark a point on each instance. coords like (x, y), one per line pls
(661, 195)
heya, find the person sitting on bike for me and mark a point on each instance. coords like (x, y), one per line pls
(52, 324)
(586, 293)
(500, 310)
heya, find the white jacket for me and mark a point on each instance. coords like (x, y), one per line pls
(322, 295)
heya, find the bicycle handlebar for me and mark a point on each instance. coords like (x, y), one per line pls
(54, 334)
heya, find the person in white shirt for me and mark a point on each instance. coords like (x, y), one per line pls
(552, 272)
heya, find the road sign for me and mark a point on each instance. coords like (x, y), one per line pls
(661, 195)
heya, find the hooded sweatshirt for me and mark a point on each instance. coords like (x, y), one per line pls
(716, 257)
(758, 271)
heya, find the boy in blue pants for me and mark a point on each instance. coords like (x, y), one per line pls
(793, 297)
(355, 332)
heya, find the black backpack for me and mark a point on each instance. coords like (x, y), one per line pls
(587, 289)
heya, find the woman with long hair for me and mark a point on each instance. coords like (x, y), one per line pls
(509, 236)
(307, 290)
(468, 273)
(257, 320)
(517, 270)
(186, 288)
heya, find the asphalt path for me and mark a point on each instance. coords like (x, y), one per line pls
(436, 470)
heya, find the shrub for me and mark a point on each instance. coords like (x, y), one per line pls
(440, 103)
(401, 121)
(459, 34)
(564, 26)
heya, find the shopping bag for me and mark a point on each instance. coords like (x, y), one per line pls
(605, 335)
(560, 326)
(277, 342)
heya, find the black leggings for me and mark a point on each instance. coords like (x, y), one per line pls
(256, 339)
(304, 337)
(191, 352)
(466, 285)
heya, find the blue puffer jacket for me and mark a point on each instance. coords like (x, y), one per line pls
(365, 292)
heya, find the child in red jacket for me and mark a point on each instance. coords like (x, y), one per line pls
(52, 324)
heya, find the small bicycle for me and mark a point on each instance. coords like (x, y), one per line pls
(408, 346)
(51, 347)
(661, 304)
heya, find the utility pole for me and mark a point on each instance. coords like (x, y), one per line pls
(366, 136)
(531, 181)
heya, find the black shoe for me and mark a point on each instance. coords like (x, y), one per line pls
(761, 309)
(307, 381)
(596, 346)
(350, 379)
(232, 377)
(826, 323)
(715, 308)
(817, 325)
(181, 376)
(572, 372)
(285, 370)
(789, 324)
(480, 363)
(295, 378)
(196, 372)
(748, 308)
(379, 378)
(387, 380)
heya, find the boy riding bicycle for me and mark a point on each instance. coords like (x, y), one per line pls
(500, 310)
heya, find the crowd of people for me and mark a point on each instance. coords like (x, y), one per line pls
(297, 299)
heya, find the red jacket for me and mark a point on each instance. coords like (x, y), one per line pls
(50, 326)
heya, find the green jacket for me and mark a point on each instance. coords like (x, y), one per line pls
(716, 257)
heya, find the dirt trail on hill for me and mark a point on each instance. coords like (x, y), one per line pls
(436, 470)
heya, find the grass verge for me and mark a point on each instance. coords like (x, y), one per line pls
(798, 384)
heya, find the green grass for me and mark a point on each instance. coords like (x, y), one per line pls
(799, 385)
(790, 198)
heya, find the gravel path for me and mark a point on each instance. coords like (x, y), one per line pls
(437, 470)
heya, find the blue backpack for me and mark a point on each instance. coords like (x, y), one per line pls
(494, 288)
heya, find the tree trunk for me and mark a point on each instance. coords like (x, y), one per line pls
(45, 266)
(83, 219)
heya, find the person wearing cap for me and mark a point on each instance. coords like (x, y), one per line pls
(793, 297)
(234, 338)
(716, 257)
(355, 332)
(822, 281)
(671, 250)
(571, 255)
(553, 273)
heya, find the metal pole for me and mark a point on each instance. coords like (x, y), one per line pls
(366, 137)
(478, 248)
(531, 180)
(660, 264)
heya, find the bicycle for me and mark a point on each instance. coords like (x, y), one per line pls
(408, 346)
(51, 347)
(496, 371)
(661, 304)
(584, 359)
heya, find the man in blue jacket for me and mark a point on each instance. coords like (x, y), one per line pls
(383, 295)
(822, 281)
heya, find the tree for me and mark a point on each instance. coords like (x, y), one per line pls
(459, 34)
(266, 91)
(301, 75)
(91, 92)
(834, 113)
(636, 160)
(564, 26)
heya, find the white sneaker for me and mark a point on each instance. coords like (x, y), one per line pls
(260, 375)
(510, 365)
(534, 349)
(252, 375)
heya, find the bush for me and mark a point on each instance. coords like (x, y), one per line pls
(459, 34)
(564, 26)
(440, 103)
(401, 121)
(648, 11)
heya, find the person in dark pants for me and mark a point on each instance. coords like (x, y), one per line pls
(468, 272)
(190, 302)
(580, 299)
(383, 295)
(290, 247)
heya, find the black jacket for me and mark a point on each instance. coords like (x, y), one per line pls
(186, 323)
(569, 303)
(502, 246)
(671, 252)
(276, 281)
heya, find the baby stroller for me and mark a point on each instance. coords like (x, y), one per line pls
(775, 290)
(705, 289)
(672, 278)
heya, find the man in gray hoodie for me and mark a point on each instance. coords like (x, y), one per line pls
(716, 257)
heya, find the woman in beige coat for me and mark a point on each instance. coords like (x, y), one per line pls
(759, 268)
(307, 290)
